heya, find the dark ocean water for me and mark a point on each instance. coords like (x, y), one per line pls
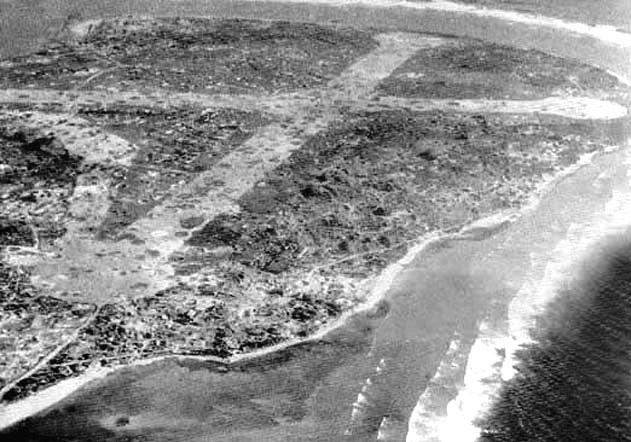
(575, 383)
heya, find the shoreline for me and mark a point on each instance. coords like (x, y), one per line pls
(492, 357)
(375, 288)
(13, 413)
(604, 33)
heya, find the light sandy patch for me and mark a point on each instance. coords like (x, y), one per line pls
(99, 271)
(83, 28)
(579, 108)
(394, 49)
(78, 269)
(90, 199)
(353, 92)
(216, 191)
(281, 104)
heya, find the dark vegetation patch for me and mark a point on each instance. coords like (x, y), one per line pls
(353, 197)
(57, 65)
(29, 159)
(195, 54)
(474, 69)
(37, 175)
(15, 233)
(174, 145)
(14, 286)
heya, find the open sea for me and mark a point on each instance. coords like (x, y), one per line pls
(574, 383)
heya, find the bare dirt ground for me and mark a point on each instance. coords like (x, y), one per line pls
(167, 188)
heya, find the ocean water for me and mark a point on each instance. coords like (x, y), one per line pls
(574, 382)
(616, 13)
